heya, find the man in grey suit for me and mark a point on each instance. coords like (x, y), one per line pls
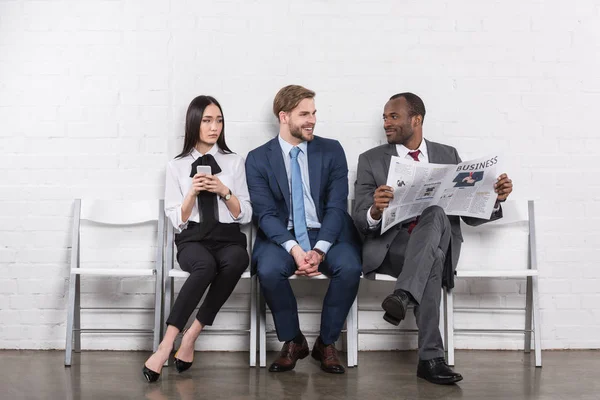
(423, 252)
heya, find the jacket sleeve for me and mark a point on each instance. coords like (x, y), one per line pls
(263, 203)
(336, 197)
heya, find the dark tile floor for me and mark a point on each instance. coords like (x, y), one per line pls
(217, 375)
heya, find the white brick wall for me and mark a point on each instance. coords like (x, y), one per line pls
(93, 96)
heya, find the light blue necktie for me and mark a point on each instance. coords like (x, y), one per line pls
(298, 202)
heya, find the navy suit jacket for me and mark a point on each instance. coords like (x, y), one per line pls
(271, 197)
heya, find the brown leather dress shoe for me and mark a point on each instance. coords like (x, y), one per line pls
(289, 354)
(328, 357)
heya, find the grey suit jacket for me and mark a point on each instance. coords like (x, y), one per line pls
(373, 166)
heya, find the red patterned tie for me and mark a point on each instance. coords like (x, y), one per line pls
(415, 156)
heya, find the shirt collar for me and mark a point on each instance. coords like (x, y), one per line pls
(287, 147)
(213, 150)
(403, 150)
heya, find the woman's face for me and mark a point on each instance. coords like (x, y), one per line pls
(211, 125)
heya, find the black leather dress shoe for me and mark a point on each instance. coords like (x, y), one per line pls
(437, 371)
(395, 306)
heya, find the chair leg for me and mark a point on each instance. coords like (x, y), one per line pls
(350, 323)
(262, 329)
(355, 331)
(528, 315)
(536, 322)
(77, 316)
(168, 300)
(157, 312)
(442, 321)
(253, 300)
(450, 327)
(70, 317)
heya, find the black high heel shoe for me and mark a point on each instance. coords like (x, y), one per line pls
(150, 375)
(181, 365)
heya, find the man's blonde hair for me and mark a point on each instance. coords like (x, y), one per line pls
(289, 97)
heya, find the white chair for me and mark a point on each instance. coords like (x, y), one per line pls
(392, 331)
(351, 325)
(118, 214)
(512, 215)
(171, 273)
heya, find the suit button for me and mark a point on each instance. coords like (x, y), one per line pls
(387, 246)
(398, 227)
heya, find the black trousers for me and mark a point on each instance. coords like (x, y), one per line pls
(217, 264)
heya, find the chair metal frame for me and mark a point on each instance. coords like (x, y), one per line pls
(109, 213)
(393, 331)
(532, 310)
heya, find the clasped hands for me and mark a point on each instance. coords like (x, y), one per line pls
(307, 262)
(210, 183)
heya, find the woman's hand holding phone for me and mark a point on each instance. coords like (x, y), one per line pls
(203, 180)
(199, 180)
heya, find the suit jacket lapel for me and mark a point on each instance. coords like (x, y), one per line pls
(390, 151)
(435, 157)
(315, 161)
(275, 158)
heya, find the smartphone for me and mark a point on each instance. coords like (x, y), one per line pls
(203, 169)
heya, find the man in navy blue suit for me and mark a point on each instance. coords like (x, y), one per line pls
(298, 185)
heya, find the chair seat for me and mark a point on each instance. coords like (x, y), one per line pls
(384, 277)
(113, 271)
(496, 274)
(308, 277)
(177, 273)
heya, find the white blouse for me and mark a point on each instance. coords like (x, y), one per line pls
(178, 183)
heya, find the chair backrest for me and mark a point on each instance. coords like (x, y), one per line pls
(504, 244)
(118, 213)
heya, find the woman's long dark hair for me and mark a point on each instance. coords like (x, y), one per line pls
(193, 119)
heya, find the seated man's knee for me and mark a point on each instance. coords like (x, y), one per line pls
(353, 270)
(435, 212)
(346, 264)
(272, 271)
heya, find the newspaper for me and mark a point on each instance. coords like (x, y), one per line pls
(465, 189)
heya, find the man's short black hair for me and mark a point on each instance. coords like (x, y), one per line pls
(415, 104)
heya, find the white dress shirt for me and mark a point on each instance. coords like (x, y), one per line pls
(310, 210)
(402, 153)
(232, 175)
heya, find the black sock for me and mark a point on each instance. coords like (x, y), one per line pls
(299, 338)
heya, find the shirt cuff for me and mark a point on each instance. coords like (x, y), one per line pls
(372, 222)
(323, 245)
(496, 206)
(180, 224)
(288, 245)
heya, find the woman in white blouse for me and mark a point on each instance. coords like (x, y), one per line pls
(206, 200)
